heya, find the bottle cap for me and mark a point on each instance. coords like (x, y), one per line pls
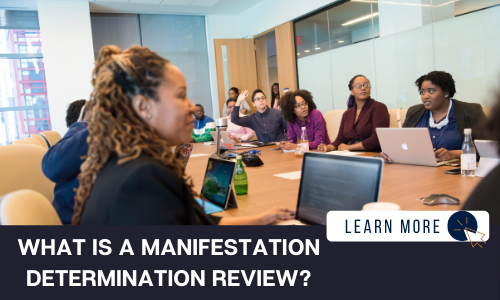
(467, 131)
(303, 128)
(238, 157)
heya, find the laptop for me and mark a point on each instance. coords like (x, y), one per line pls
(333, 182)
(217, 186)
(411, 146)
(488, 151)
(228, 144)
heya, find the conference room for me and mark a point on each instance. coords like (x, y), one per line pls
(129, 74)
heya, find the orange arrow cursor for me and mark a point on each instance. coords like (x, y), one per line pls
(473, 245)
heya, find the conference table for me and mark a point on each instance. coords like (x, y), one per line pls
(401, 184)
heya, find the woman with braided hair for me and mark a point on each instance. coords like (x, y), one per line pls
(139, 110)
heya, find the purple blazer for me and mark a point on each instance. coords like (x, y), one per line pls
(315, 128)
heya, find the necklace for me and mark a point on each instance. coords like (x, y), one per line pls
(441, 123)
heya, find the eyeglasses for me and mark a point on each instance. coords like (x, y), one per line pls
(259, 99)
(301, 105)
(366, 85)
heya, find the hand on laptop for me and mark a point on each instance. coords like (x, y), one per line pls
(385, 157)
(233, 138)
(275, 215)
(445, 155)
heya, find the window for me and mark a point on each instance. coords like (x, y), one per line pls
(24, 106)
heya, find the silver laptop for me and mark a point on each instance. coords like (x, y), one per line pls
(411, 146)
(227, 143)
(331, 182)
(490, 158)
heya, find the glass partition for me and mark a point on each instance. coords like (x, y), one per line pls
(393, 43)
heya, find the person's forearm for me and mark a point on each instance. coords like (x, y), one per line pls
(354, 147)
(456, 154)
(253, 220)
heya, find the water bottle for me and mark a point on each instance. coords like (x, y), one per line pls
(468, 157)
(304, 141)
(240, 178)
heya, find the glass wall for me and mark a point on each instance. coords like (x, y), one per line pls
(393, 43)
(180, 39)
(24, 106)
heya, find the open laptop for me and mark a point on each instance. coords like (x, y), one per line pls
(332, 182)
(228, 144)
(217, 186)
(490, 158)
(411, 146)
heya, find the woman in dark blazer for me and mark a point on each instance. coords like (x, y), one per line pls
(446, 118)
(130, 176)
(359, 121)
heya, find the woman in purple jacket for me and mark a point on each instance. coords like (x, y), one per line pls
(299, 110)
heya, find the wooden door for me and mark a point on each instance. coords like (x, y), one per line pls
(285, 49)
(241, 66)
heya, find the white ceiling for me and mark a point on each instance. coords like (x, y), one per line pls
(198, 7)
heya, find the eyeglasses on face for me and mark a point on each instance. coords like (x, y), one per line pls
(259, 99)
(304, 104)
(366, 85)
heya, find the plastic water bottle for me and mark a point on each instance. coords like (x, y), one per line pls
(240, 178)
(468, 157)
(304, 141)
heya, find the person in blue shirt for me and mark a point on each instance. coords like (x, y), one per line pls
(203, 125)
(61, 164)
(268, 123)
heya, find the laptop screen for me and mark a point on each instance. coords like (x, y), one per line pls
(332, 182)
(217, 181)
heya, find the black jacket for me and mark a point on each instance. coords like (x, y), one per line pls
(468, 115)
(141, 192)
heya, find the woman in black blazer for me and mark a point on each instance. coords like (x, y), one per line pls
(446, 118)
(130, 176)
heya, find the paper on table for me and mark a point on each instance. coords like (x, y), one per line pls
(290, 175)
(198, 154)
(343, 153)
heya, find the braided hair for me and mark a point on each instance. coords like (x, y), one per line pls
(442, 79)
(114, 127)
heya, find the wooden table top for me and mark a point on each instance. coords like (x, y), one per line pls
(401, 184)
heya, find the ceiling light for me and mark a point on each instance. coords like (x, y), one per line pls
(317, 48)
(360, 19)
(298, 53)
(306, 51)
(340, 42)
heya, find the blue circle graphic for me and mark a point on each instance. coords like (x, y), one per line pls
(458, 222)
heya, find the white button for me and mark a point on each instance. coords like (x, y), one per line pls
(434, 149)
(434, 137)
